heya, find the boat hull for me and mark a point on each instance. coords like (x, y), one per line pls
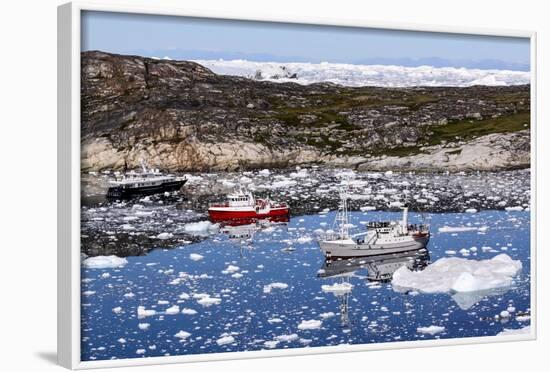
(337, 248)
(227, 215)
(121, 192)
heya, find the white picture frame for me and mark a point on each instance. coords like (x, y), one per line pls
(69, 36)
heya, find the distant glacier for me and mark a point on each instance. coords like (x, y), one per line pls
(366, 75)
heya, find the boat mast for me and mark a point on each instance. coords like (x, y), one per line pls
(342, 217)
(404, 222)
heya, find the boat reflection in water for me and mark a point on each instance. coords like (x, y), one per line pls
(242, 230)
(378, 269)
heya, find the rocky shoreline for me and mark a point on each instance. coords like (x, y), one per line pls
(180, 116)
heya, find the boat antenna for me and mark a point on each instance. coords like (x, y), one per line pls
(342, 216)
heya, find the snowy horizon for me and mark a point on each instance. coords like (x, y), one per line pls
(354, 75)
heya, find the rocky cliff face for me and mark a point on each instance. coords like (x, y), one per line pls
(178, 115)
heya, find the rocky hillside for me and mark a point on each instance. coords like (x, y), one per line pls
(179, 115)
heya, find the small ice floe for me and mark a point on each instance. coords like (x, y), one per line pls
(105, 275)
(337, 289)
(122, 340)
(173, 310)
(271, 344)
(274, 320)
(182, 335)
(117, 310)
(231, 269)
(454, 229)
(310, 324)
(184, 296)
(162, 302)
(104, 262)
(277, 285)
(225, 340)
(523, 318)
(142, 312)
(471, 210)
(367, 208)
(200, 228)
(144, 326)
(140, 351)
(287, 338)
(206, 301)
(164, 236)
(196, 257)
(188, 311)
(452, 274)
(431, 330)
(88, 293)
(264, 172)
(237, 275)
(330, 314)
(512, 332)
(304, 239)
(129, 295)
(514, 209)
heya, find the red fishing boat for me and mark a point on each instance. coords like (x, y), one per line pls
(243, 205)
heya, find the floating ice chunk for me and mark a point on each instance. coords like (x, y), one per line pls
(274, 320)
(330, 314)
(367, 208)
(129, 295)
(452, 274)
(200, 228)
(523, 318)
(142, 312)
(209, 301)
(105, 275)
(452, 229)
(337, 288)
(237, 275)
(287, 338)
(310, 324)
(117, 310)
(163, 302)
(182, 335)
(277, 285)
(164, 236)
(396, 204)
(471, 210)
(271, 344)
(140, 351)
(514, 209)
(88, 293)
(304, 239)
(224, 340)
(144, 326)
(196, 257)
(104, 262)
(188, 311)
(172, 310)
(231, 269)
(184, 296)
(504, 314)
(264, 172)
(122, 340)
(512, 332)
(431, 330)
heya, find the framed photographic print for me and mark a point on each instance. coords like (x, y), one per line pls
(246, 187)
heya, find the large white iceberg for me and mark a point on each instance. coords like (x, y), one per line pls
(459, 275)
(104, 262)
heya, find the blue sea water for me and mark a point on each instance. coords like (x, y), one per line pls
(252, 315)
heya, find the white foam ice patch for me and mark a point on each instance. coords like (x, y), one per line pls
(277, 285)
(453, 274)
(206, 301)
(144, 326)
(431, 330)
(327, 315)
(287, 338)
(104, 262)
(271, 344)
(188, 311)
(310, 324)
(366, 75)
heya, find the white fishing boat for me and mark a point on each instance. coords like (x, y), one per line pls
(380, 238)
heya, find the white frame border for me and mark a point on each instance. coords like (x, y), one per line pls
(68, 322)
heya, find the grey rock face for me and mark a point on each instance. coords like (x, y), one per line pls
(178, 115)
